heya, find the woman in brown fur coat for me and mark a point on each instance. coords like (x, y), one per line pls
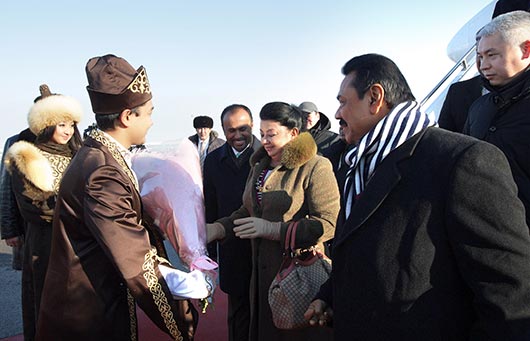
(36, 171)
(288, 182)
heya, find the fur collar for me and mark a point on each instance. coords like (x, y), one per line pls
(295, 153)
(31, 163)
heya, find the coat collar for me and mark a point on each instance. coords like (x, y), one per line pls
(31, 163)
(385, 178)
(295, 153)
(114, 150)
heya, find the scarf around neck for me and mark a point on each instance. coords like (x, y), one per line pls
(55, 148)
(400, 124)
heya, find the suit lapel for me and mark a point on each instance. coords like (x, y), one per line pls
(386, 176)
(226, 158)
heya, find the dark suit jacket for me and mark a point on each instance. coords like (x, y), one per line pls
(435, 248)
(224, 183)
(457, 102)
(11, 222)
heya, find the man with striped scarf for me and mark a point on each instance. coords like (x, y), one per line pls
(432, 242)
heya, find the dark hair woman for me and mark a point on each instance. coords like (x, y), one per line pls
(288, 182)
(36, 171)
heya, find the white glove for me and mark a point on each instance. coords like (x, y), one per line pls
(214, 231)
(250, 228)
(182, 285)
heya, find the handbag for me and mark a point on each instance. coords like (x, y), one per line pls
(297, 282)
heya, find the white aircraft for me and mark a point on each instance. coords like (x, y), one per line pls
(461, 50)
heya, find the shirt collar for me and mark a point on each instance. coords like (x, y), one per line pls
(238, 154)
(125, 153)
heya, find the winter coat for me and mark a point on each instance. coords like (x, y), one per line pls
(435, 248)
(224, 183)
(214, 143)
(35, 176)
(11, 222)
(458, 100)
(302, 188)
(324, 138)
(502, 118)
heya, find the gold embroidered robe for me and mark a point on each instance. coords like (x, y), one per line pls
(102, 260)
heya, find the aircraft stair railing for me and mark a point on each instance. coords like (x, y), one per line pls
(463, 69)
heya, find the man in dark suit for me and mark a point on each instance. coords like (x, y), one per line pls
(462, 94)
(457, 102)
(206, 140)
(502, 117)
(431, 243)
(225, 173)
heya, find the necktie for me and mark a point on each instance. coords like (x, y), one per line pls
(202, 152)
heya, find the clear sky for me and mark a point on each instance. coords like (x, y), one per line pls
(201, 56)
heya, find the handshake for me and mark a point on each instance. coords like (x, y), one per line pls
(246, 228)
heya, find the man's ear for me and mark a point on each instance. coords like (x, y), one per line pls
(125, 118)
(526, 49)
(377, 97)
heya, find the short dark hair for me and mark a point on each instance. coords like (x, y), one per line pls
(106, 122)
(373, 69)
(233, 107)
(288, 115)
(46, 135)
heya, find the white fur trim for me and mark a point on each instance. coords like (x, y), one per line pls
(30, 162)
(52, 110)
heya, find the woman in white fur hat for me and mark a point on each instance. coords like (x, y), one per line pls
(36, 171)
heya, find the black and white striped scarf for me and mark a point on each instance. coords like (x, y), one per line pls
(403, 122)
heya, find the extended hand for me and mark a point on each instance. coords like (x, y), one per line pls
(319, 313)
(250, 228)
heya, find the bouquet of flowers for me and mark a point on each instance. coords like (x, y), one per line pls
(171, 189)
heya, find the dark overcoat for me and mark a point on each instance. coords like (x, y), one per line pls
(458, 100)
(324, 137)
(435, 248)
(102, 260)
(35, 178)
(502, 118)
(224, 183)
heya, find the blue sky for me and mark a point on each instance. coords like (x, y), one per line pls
(202, 56)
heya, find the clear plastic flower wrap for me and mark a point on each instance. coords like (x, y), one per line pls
(171, 188)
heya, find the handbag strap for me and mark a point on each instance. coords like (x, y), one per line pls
(293, 235)
(290, 239)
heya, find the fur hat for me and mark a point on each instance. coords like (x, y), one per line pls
(202, 122)
(51, 109)
(114, 85)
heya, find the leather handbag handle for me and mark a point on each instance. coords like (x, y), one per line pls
(290, 239)
(293, 235)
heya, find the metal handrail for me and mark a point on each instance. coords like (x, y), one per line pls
(463, 63)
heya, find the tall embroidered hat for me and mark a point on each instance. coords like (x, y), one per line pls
(50, 109)
(114, 85)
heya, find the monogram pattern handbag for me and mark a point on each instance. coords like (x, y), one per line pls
(297, 282)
